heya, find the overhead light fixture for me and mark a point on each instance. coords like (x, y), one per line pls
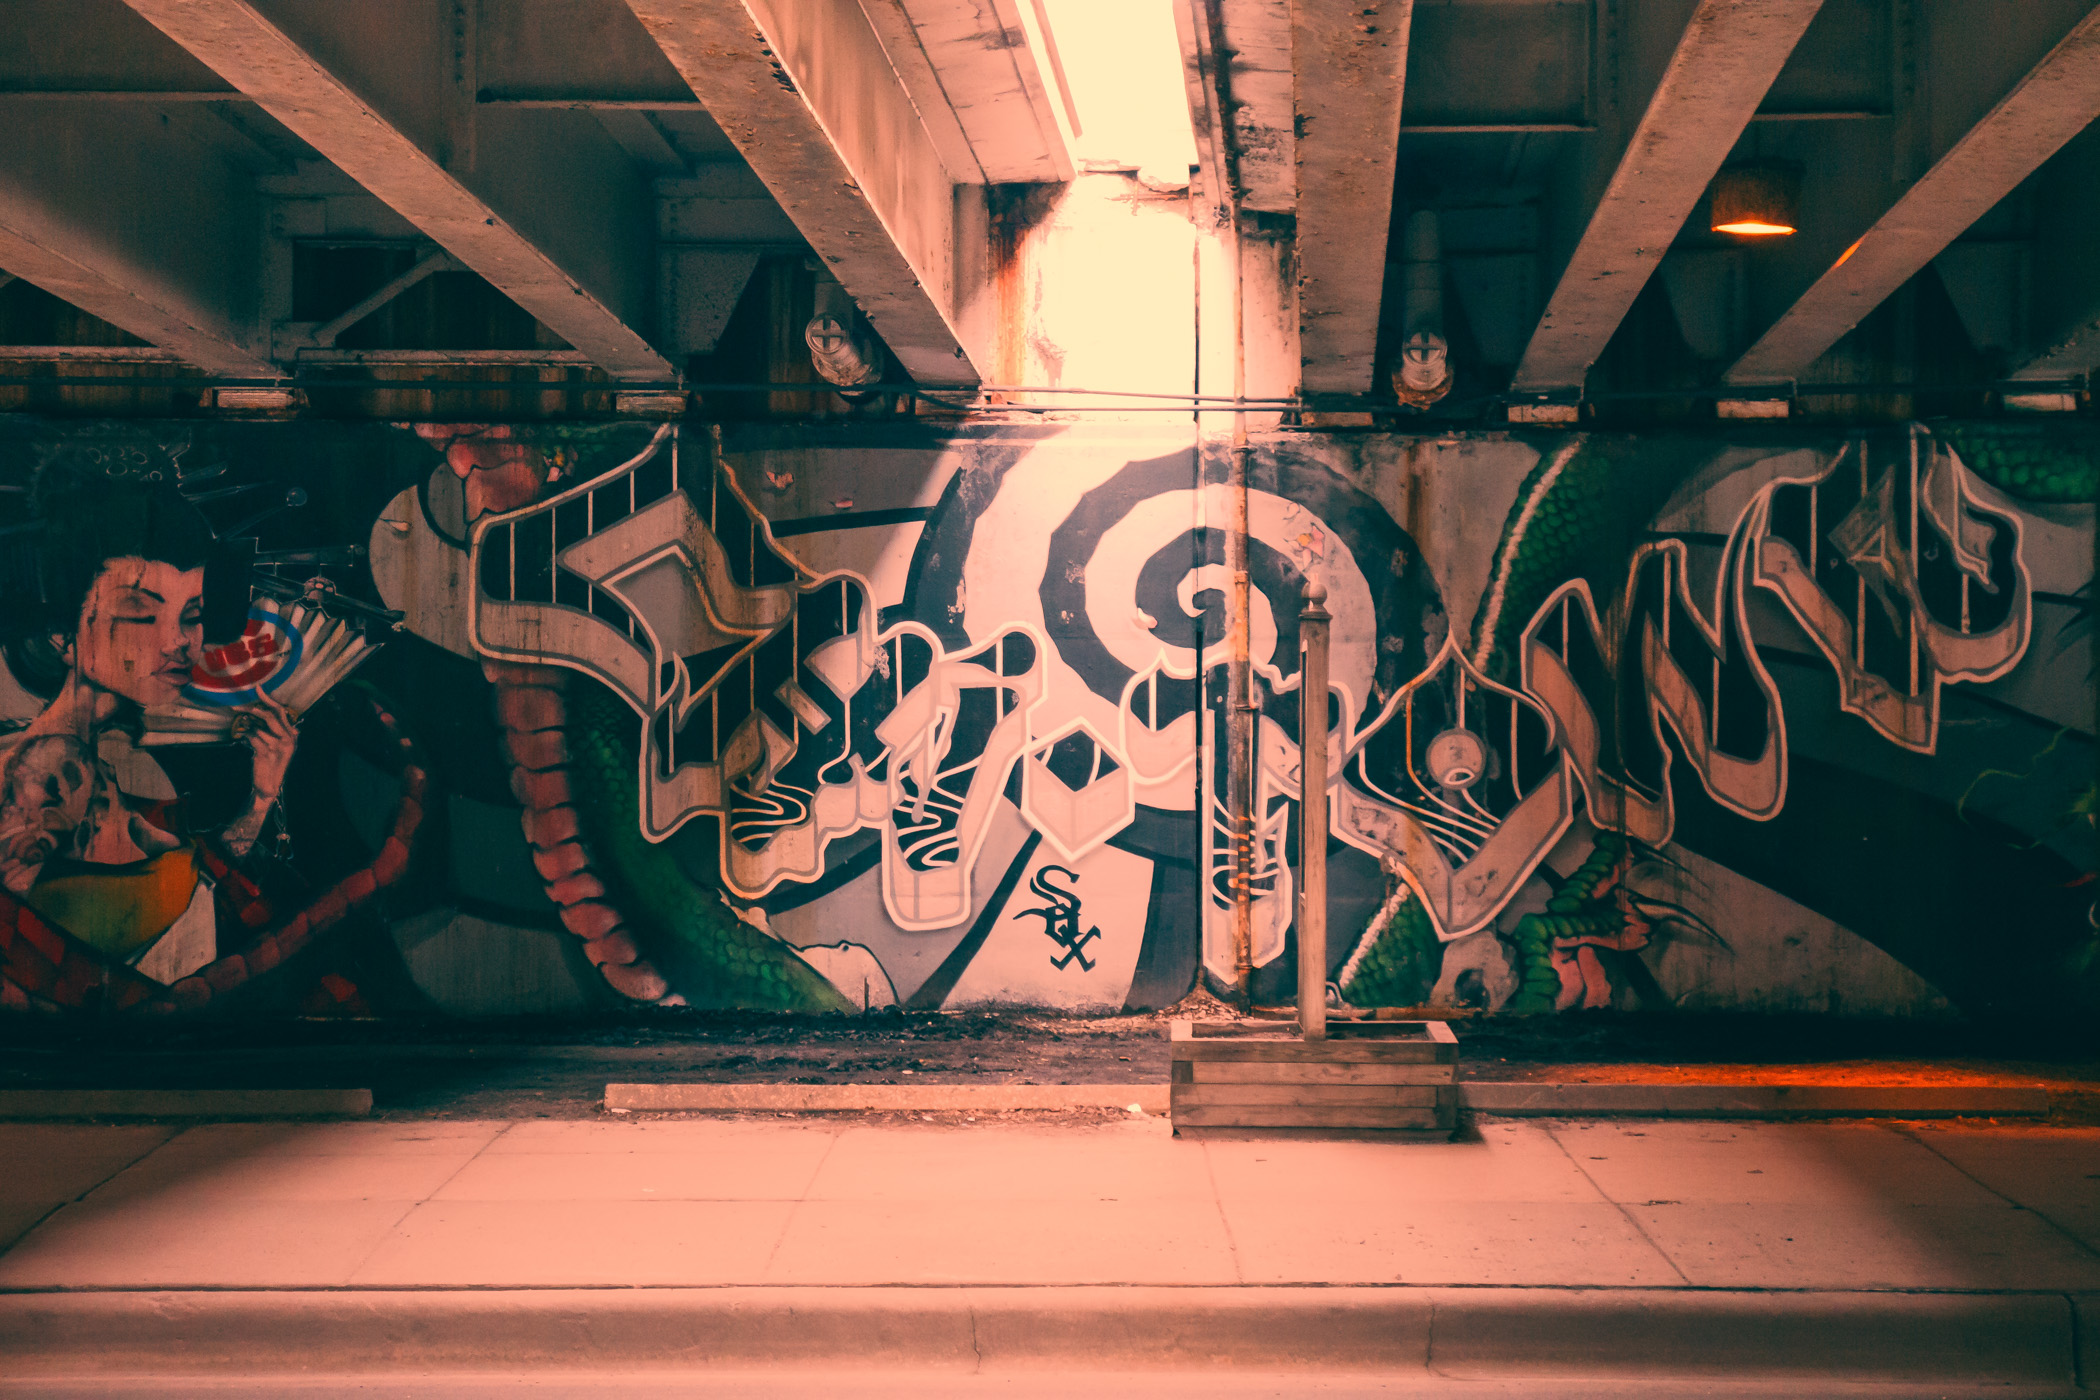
(1756, 198)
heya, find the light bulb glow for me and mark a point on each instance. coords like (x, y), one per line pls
(1756, 199)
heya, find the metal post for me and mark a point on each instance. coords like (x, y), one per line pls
(1312, 819)
(1241, 716)
(1242, 713)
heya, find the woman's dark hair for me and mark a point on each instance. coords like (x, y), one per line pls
(80, 522)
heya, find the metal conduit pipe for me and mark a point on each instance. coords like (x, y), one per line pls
(1313, 632)
(1424, 373)
(1242, 711)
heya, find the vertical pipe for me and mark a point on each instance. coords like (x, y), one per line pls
(1239, 684)
(1911, 543)
(1312, 809)
(1203, 36)
(1424, 373)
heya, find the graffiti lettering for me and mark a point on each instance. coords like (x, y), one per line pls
(1060, 916)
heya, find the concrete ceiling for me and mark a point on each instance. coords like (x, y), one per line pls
(1569, 147)
(616, 167)
(1925, 132)
(613, 169)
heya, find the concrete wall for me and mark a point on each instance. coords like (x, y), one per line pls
(834, 718)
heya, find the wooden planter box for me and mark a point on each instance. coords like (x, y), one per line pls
(1384, 1076)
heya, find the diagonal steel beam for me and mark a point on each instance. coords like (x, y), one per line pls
(2069, 354)
(124, 298)
(1721, 69)
(426, 266)
(235, 39)
(806, 92)
(167, 261)
(1349, 65)
(2052, 104)
(1197, 29)
(984, 71)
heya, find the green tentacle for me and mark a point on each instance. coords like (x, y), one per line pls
(1578, 514)
(710, 955)
(1402, 963)
(2048, 462)
(1572, 912)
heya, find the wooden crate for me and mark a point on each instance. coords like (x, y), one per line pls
(1399, 1077)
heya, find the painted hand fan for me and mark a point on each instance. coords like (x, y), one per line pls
(292, 650)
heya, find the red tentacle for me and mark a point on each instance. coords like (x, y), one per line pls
(327, 911)
(533, 710)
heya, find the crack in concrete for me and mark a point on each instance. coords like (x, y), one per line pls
(409, 1208)
(795, 1209)
(2079, 1377)
(1217, 1200)
(1620, 1207)
(2035, 1211)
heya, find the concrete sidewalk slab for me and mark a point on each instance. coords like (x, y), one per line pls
(482, 1244)
(247, 1141)
(50, 1164)
(901, 1163)
(1824, 1338)
(147, 1243)
(1497, 1162)
(2054, 1175)
(1730, 1163)
(679, 1241)
(1028, 1241)
(185, 1103)
(728, 1201)
(731, 1167)
(1735, 1246)
(1444, 1242)
(58, 1161)
(602, 1136)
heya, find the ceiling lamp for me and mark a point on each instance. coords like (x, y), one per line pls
(1756, 198)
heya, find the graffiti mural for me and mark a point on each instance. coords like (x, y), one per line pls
(117, 892)
(484, 719)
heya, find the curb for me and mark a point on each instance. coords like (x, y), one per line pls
(1518, 1099)
(1514, 1099)
(1447, 1333)
(185, 1103)
(833, 1098)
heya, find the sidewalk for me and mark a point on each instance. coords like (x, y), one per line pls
(1634, 1243)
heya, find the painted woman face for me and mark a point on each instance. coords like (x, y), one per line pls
(141, 630)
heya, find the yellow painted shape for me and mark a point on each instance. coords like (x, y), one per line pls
(122, 909)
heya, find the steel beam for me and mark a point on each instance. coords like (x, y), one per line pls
(137, 221)
(1255, 55)
(975, 77)
(2070, 354)
(1726, 60)
(1348, 67)
(1197, 31)
(591, 309)
(2048, 107)
(805, 91)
